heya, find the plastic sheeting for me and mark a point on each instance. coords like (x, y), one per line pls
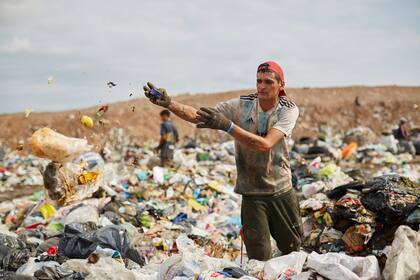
(344, 267)
(291, 263)
(403, 260)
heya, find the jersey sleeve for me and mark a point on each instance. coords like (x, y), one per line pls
(287, 120)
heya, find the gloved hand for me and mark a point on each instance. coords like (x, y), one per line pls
(163, 100)
(210, 118)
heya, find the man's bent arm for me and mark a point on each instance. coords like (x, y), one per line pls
(185, 112)
(255, 142)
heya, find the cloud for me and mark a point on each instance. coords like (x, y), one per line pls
(16, 45)
(198, 46)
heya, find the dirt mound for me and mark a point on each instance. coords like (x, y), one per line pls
(340, 108)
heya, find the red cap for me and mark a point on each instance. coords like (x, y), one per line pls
(275, 67)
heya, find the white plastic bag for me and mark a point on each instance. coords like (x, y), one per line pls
(158, 175)
(344, 267)
(105, 268)
(31, 267)
(46, 143)
(82, 214)
(274, 268)
(403, 260)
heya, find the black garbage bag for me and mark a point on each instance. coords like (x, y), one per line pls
(318, 150)
(339, 191)
(77, 243)
(235, 272)
(113, 237)
(392, 197)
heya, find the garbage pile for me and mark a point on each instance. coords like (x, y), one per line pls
(18, 171)
(118, 215)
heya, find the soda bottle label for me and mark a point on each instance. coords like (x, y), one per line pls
(155, 93)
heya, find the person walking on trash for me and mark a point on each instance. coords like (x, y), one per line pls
(168, 138)
(403, 137)
(260, 124)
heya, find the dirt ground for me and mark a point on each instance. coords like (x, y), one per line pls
(378, 107)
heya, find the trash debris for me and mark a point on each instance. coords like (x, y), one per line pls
(86, 121)
(46, 143)
(19, 147)
(101, 111)
(341, 266)
(28, 112)
(111, 84)
(116, 214)
(404, 257)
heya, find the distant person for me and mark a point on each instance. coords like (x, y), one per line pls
(357, 102)
(260, 123)
(168, 138)
(388, 140)
(403, 138)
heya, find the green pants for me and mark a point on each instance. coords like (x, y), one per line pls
(278, 216)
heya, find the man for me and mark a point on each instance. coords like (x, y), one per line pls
(259, 123)
(168, 138)
(403, 137)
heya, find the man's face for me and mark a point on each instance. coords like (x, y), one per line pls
(268, 87)
(164, 118)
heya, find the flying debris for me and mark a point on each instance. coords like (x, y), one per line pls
(102, 111)
(111, 84)
(86, 121)
(28, 112)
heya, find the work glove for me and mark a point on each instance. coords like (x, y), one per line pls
(157, 96)
(210, 118)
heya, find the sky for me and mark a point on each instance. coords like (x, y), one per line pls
(197, 47)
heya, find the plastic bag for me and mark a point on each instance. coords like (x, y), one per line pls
(46, 143)
(158, 175)
(63, 184)
(403, 260)
(105, 269)
(82, 214)
(275, 268)
(344, 267)
(78, 243)
(31, 267)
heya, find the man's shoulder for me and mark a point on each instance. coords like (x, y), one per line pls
(286, 103)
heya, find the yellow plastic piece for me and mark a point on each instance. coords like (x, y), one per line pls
(87, 121)
(47, 211)
(194, 204)
(87, 177)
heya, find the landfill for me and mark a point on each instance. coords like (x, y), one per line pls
(117, 214)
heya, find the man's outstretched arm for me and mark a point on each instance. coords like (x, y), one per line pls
(185, 112)
(161, 98)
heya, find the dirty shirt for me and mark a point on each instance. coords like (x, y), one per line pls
(262, 173)
(170, 134)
